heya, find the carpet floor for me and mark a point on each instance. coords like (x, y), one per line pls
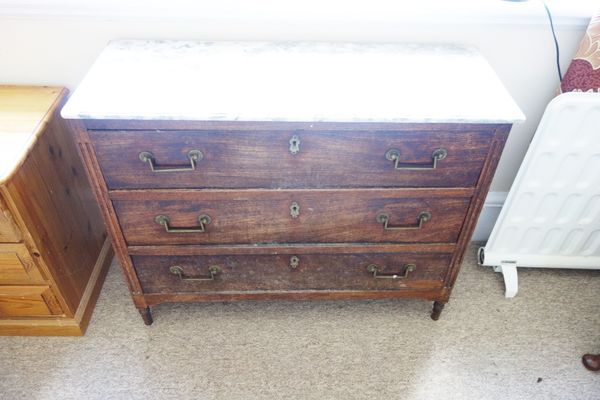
(483, 347)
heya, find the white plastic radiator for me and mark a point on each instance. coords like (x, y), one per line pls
(551, 217)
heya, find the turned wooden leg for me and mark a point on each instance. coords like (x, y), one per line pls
(591, 361)
(437, 310)
(146, 315)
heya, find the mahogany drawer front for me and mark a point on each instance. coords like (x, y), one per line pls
(16, 266)
(24, 301)
(180, 274)
(289, 216)
(264, 159)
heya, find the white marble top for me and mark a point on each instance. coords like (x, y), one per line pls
(285, 81)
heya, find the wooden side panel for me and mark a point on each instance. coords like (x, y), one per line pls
(266, 159)
(53, 198)
(483, 186)
(17, 267)
(100, 192)
(21, 301)
(9, 232)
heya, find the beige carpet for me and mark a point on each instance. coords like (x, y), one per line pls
(483, 347)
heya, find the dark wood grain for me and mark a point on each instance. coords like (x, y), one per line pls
(438, 307)
(259, 126)
(153, 299)
(326, 159)
(252, 236)
(106, 208)
(483, 186)
(325, 216)
(146, 315)
(276, 272)
(286, 248)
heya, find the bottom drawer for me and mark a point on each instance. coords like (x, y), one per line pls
(235, 273)
(25, 301)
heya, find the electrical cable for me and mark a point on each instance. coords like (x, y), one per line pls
(555, 41)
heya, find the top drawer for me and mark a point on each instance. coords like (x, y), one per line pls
(290, 159)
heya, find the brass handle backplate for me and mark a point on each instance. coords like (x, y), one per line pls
(374, 269)
(394, 155)
(203, 220)
(213, 271)
(423, 217)
(193, 156)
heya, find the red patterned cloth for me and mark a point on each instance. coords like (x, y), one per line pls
(583, 74)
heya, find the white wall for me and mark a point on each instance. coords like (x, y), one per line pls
(41, 43)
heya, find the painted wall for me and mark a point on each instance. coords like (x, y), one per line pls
(53, 46)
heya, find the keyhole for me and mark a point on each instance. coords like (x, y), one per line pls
(295, 144)
(294, 210)
(294, 262)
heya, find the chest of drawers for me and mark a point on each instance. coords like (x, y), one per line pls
(259, 171)
(54, 251)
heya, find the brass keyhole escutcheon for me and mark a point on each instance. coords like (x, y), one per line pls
(294, 261)
(294, 209)
(295, 144)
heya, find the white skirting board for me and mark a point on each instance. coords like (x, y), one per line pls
(489, 214)
(551, 216)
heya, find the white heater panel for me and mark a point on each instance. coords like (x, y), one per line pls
(551, 217)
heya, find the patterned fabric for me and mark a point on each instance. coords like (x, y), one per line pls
(583, 74)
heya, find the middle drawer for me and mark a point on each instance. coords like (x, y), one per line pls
(291, 216)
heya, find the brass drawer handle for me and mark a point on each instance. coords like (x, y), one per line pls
(177, 270)
(394, 155)
(374, 269)
(193, 155)
(203, 220)
(384, 219)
